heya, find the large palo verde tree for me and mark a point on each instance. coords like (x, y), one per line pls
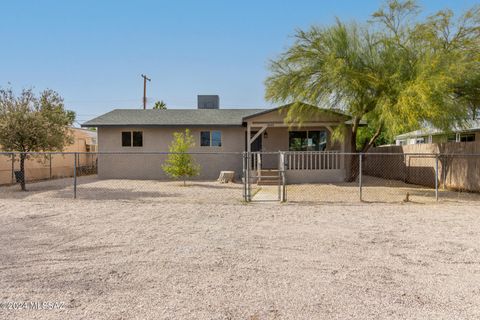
(33, 124)
(395, 72)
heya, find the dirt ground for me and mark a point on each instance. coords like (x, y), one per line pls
(374, 190)
(126, 257)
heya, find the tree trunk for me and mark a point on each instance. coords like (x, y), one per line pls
(373, 139)
(22, 171)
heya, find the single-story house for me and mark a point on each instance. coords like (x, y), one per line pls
(469, 132)
(217, 131)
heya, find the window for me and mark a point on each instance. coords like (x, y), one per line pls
(205, 138)
(210, 139)
(132, 139)
(467, 137)
(307, 140)
(137, 138)
(126, 139)
(216, 140)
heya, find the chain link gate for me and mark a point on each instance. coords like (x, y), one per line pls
(268, 184)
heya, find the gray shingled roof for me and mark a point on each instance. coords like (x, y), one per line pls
(172, 117)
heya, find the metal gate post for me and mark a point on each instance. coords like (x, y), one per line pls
(247, 177)
(281, 187)
(244, 172)
(75, 176)
(360, 175)
(436, 177)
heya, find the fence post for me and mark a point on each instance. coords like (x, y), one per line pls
(360, 175)
(444, 172)
(436, 177)
(13, 168)
(50, 158)
(282, 176)
(244, 172)
(247, 176)
(75, 176)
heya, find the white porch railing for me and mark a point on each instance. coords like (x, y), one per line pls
(256, 161)
(313, 160)
(301, 160)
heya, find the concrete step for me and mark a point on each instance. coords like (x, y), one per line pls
(269, 170)
(268, 182)
(268, 177)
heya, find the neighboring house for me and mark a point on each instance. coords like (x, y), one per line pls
(40, 168)
(220, 130)
(470, 132)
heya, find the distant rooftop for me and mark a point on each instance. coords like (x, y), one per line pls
(470, 125)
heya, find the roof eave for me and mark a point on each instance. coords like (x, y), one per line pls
(88, 125)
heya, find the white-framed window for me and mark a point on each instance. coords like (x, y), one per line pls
(307, 140)
(132, 138)
(419, 140)
(210, 138)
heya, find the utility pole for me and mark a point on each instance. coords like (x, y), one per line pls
(145, 90)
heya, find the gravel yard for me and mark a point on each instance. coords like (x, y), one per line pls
(190, 258)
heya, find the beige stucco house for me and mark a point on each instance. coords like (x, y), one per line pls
(220, 138)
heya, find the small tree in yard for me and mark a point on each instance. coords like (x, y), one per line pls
(179, 163)
(31, 124)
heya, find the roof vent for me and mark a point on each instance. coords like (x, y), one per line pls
(208, 102)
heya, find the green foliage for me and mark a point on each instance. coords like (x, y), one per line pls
(31, 124)
(179, 163)
(160, 105)
(396, 72)
(366, 133)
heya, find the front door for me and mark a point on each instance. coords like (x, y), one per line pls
(256, 145)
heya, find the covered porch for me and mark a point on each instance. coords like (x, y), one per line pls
(305, 151)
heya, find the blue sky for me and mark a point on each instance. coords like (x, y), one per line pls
(93, 52)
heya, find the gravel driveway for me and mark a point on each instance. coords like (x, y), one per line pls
(131, 259)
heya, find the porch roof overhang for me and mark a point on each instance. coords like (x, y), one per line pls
(255, 119)
(299, 124)
(319, 118)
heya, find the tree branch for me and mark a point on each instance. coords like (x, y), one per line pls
(373, 138)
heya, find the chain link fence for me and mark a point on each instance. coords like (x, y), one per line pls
(299, 177)
(120, 176)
